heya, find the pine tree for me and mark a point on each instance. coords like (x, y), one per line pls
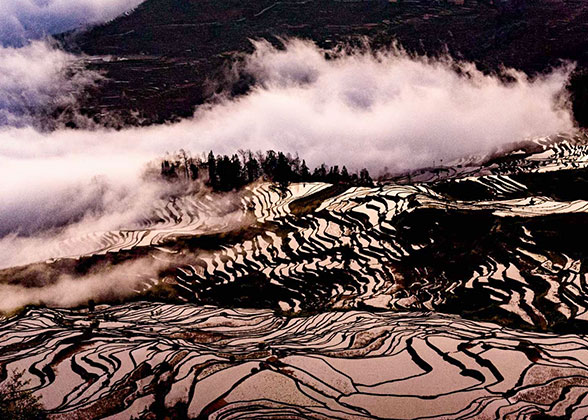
(304, 172)
(345, 178)
(212, 179)
(283, 172)
(364, 177)
(252, 168)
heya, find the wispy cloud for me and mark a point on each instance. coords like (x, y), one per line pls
(360, 109)
(37, 79)
(23, 20)
(107, 283)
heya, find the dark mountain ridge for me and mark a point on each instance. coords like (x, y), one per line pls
(169, 56)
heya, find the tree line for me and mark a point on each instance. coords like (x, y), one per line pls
(226, 173)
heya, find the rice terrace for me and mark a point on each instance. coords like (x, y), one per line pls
(313, 209)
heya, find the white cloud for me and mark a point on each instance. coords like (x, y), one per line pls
(388, 110)
(23, 20)
(110, 282)
(37, 79)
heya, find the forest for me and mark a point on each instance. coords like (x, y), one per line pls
(226, 173)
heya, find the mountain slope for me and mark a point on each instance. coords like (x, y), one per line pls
(169, 56)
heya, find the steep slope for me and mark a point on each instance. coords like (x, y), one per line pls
(170, 55)
(455, 292)
(493, 242)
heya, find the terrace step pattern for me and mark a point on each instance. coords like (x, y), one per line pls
(206, 362)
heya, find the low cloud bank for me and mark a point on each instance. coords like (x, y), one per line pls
(37, 79)
(116, 282)
(90, 217)
(360, 109)
(71, 221)
(23, 20)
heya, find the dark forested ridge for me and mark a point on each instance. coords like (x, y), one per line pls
(168, 56)
(226, 173)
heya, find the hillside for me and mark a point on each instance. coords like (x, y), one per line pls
(459, 295)
(169, 56)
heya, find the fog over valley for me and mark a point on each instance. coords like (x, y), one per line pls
(380, 110)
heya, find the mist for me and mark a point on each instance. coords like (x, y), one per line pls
(108, 283)
(23, 20)
(360, 109)
(37, 79)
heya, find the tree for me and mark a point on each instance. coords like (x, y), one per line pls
(194, 171)
(252, 168)
(295, 167)
(223, 166)
(235, 173)
(269, 164)
(168, 169)
(304, 171)
(345, 178)
(334, 175)
(17, 402)
(320, 173)
(211, 169)
(226, 173)
(186, 160)
(283, 172)
(364, 177)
